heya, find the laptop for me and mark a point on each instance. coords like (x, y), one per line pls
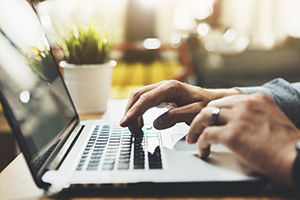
(62, 151)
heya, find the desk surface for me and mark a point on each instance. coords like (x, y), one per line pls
(16, 183)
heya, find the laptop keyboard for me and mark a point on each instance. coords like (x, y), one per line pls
(111, 147)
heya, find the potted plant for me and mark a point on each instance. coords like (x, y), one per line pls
(87, 68)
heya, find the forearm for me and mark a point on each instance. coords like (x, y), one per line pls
(285, 94)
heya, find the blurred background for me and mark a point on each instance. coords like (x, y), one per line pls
(210, 43)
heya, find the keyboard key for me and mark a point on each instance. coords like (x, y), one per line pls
(96, 157)
(108, 166)
(114, 139)
(154, 159)
(124, 160)
(123, 166)
(97, 153)
(113, 146)
(139, 166)
(102, 138)
(125, 151)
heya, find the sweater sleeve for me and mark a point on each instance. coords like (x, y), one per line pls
(285, 94)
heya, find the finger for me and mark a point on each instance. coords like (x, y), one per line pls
(133, 98)
(209, 136)
(202, 120)
(181, 114)
(136, 125)
(148, 100)
(136, 95)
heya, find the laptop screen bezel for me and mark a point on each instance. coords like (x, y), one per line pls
(37, 175)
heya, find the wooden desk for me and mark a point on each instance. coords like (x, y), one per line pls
(16, 183)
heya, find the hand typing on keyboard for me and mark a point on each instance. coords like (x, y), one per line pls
(260, 129)
(189, 100)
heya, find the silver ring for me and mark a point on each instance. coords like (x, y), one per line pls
(214, 116)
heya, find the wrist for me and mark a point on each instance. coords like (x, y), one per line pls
(220, 93)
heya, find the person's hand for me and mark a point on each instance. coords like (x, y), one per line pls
(255, 129)
(188, 101)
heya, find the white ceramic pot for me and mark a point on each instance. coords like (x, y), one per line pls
(89, 85)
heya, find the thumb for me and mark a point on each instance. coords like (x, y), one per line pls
(180, 114)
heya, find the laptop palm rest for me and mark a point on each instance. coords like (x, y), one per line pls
(181, 145)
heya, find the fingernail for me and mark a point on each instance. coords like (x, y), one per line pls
(123, 120)
(187, 139)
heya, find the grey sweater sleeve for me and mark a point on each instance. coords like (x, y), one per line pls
(285, 94)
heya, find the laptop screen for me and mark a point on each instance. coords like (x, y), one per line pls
(31, 85)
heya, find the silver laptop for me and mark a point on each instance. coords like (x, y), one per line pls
(61, 151)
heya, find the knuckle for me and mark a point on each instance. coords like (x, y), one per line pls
(145, 97)
(164, 81)
(174, 84)
(233, 134)
(206, 110)
(263, 98)
(247, 106)
(242, 115)
(135, 94)
(250, 103)
(254, 103)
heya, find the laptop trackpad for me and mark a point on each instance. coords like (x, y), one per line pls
(181, 145)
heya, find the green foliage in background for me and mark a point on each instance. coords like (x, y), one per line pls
(85, 44)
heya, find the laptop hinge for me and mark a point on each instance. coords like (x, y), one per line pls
(65, 148)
